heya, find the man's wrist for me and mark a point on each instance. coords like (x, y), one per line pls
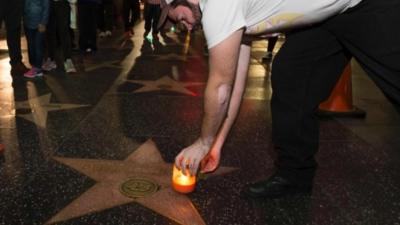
(206, 142)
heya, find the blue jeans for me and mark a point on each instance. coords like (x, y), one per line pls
(35, 46)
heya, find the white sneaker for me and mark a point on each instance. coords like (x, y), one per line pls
(108, 33)
(69, 66)
(102, 34)
(49, 65)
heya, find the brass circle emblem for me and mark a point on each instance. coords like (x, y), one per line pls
(138, 187)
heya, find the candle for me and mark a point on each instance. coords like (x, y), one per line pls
(182, 183)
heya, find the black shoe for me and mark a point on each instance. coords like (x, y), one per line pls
(275, 187)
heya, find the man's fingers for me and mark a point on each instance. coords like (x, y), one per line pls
(194, 168)
(178, 160)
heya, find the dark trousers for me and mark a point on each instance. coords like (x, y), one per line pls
(131, 13)
(151, 17)
(271, 43)
(35, 46)
(310, 62)
(106, 15)
(87, 23)
(58, 28)
(11, 13)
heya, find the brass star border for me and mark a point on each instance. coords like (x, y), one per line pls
(145, 162)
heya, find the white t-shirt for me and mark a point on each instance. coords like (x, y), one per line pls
(223, 17)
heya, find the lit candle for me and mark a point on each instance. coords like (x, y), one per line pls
(182, 183)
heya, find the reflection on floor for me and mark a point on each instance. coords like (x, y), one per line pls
(74, 141)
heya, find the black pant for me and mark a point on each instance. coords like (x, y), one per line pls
(106, 15)
(58, 28)
(310, 62)
(131, 13)
(87, 22)
(11, 13)
(151, 17)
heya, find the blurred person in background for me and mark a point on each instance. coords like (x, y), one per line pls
(152, 11)
(87, 23)
(58, 33)
(131, 14)
(11, 14)
(106, 18)
(36, 15)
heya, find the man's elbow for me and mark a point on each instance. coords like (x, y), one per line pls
(224, 93)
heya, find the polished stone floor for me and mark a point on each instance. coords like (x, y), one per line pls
(72, 141)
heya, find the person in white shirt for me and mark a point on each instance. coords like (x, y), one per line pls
(321, 36)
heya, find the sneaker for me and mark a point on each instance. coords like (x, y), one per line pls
(102, 34)
(49, 65)
(69, 66)
(268, 56)
(108, 33)
(33, 73)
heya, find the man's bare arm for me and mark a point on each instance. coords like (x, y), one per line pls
(211, 161)
(223, 61)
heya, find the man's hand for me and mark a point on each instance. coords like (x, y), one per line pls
(41, 28)
(190, 157)
(211, 161)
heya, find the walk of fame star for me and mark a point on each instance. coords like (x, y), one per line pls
(146, 164)
(165, 83)
(39, 107)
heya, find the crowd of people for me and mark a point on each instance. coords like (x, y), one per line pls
(50, 26)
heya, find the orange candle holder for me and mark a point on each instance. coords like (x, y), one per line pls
(182, 183)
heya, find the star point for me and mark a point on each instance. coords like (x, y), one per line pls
(40, 107)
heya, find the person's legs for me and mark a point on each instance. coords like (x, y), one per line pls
(39, 47)
(30, 39)
(11, 14)
(51, 39)
(135, 12)
(35, 51)
(375, 44)
(147, 18)
(100, 21)
(108, 16)
(126, 14)
(303, 74)
(156, 16)
(91, 25)
(62, 15)
(12, 18)
(82, 21)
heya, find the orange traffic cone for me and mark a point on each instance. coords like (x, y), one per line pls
(340, 102)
